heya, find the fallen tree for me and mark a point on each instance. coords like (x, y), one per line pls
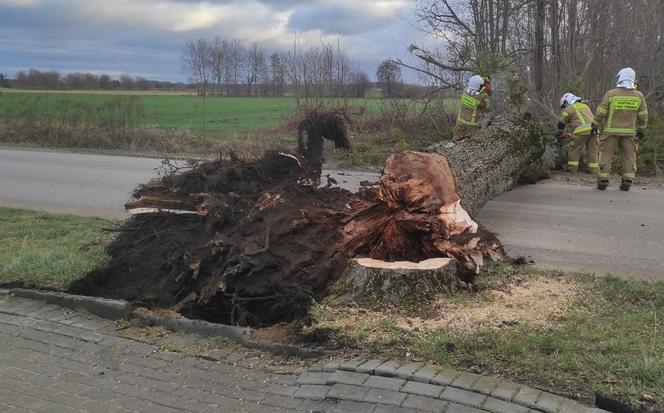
(253, 243)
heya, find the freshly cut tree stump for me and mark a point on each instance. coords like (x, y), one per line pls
(397, 283)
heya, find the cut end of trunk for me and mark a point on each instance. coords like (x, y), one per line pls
(415, 214)
(401, 283)
(430, 264)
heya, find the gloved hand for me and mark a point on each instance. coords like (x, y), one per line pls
(641, 136)
(594, 129)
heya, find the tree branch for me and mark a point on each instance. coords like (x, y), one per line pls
(428, 58)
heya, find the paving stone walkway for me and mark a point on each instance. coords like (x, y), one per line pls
(56, 360)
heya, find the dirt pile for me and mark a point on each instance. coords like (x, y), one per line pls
(266, 246)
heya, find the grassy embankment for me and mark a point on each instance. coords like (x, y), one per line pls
(571, 333)
(49, 250)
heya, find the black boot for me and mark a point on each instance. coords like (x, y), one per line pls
(625, 184)
(602, 185)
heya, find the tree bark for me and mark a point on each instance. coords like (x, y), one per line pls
(571, 27)
(510, 150)
(538, 63)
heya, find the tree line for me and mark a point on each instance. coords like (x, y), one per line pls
(557, 45)
(223, 67)
(53, 80)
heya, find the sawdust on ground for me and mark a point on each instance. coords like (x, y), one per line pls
(538, 302)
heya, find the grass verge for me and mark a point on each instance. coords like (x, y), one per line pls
(49, 250)
(568, 333)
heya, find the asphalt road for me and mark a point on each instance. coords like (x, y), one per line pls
(85, 184)
(569, 227)
(82, 184)
(578, 228)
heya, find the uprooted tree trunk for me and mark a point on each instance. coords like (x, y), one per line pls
(510, 150)
(254, 243)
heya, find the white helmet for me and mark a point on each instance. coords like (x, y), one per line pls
(568, 99)
(475, 82)
(626, 78)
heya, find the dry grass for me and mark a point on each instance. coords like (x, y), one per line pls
(91, 136)
(537, 302)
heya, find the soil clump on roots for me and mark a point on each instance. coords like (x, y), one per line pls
(260, 248)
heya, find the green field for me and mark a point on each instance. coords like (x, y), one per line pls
(214, 116)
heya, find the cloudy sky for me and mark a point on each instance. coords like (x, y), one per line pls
(145, 37)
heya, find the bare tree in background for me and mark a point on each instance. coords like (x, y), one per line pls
(558, 45)
(197, 63)
(255, 68)
(126, 82)
(359, 84)
(389, 75)
(278, 74)
(316, 71)
(218, 61)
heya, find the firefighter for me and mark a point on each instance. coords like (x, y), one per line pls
(474, 103)
(623, 116)
(577, 118)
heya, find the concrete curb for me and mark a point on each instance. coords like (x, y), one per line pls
(102, 307)
(123, 310)
(198, 327)
(243, 335)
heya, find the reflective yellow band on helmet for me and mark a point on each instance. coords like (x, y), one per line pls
(629, 175)
(603, 174)
(601, 110)
(593, 165)
(573, 163)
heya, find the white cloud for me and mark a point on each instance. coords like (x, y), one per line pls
(161, 14)
(369, 29)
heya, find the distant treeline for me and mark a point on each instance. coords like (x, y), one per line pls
(53, 80)
(224, 67)
(303, 77)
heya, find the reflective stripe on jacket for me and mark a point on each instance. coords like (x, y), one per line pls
(578, 117)
(472, 107)
(622, 112)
